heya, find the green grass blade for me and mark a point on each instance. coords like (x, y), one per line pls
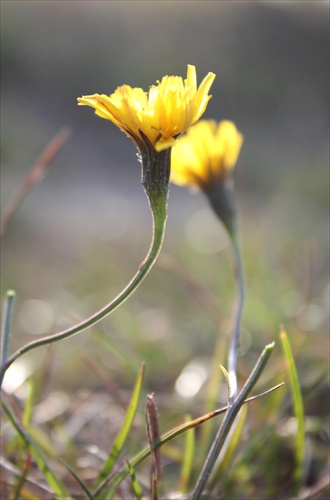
(51, 478)
(211, 395)
(6, 328)
(298, 409)
(135, 484)
(124, 431)
(187, 460)
(117, 478)
(79, 481)
(27, 414)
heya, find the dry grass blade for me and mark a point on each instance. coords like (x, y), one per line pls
(34, 175)
(31, 489)
(153, 437)
(116, 479)
(25, 470)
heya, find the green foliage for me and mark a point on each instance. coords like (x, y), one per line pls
(121, 437)
(298, 410)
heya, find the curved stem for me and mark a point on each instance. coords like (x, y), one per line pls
(234, 341)
(158, 207)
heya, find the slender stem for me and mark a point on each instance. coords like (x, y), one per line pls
(158, 208)
(6, 327)
(234, 341)
(221, 197)
(228, 421)
(52, 480)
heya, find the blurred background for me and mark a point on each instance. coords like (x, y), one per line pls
(80, 235)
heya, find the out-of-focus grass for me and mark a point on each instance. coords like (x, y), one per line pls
(173, 323)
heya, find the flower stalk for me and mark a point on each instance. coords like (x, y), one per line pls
(221, 198)
(235, 335)
(153, 120)
(205, 158)
(159, 222)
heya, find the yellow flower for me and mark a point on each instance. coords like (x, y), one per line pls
(160, 115)
(205, 154)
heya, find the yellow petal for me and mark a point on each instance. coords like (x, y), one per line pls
(206, 153)
(162, 114)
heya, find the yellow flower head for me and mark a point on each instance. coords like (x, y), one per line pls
(160, 115)
(206, 153)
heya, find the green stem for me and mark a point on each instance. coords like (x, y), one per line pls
(51, 478)
(158, 206)
(228, 421)
(221, 196)
(235, 337)
(6, 328)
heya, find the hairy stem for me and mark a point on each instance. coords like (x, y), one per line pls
(159, 208)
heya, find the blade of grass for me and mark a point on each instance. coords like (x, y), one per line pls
(27, 414)
(226, 375)
(212, 395)
(118, 477)
(248, 456)
(298, 409)
(31, 484)
(135, 484)
(228, 421)
(6, 328)
(79, 481)
(52, 480)
(125, 429)
(26, 420)
(187, 460)
(228, 452)
(153, 437)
